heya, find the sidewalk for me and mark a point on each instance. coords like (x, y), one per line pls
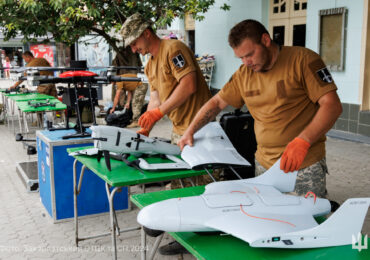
(28, 231)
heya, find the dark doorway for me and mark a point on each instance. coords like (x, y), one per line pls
(299, 35)
(278, 34)
(191, 37)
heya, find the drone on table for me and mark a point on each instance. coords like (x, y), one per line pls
(41, 103)
(256, 210)
(214, 149)
(76, 76)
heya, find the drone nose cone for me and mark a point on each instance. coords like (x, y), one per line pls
(163, 216)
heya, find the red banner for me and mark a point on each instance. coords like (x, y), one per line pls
(43, 51)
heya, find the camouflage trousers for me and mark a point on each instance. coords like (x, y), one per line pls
(311, 178)
(47, 89)
(196, 180)
(138, 100)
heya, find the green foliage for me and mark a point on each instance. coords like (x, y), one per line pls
(67, 20)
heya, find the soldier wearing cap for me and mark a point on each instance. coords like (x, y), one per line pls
(177, 86)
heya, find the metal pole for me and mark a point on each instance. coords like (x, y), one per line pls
(91, 102)
(79, 118)
(236, 173)
(155, 246)
(112, 221)
(75, 201)
(143, 243)
(210, 175)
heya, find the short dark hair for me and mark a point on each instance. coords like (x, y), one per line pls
(250, 29)
(150, 28)
(27, 53)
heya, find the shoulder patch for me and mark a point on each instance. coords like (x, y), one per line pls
(178, 61)
(320, 72)
(325, 75)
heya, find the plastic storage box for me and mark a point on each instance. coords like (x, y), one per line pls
(55, 174)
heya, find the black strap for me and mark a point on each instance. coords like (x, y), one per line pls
(118, 138)
(133, 164)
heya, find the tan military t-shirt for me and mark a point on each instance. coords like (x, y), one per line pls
(41, 62)
(48, 88)
(282, 101)
(164, 71)
(128, 85)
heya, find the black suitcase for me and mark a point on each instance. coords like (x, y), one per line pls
(239, 127)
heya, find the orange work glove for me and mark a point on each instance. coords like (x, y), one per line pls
(143, 131)
(148, 119)
(294, 154)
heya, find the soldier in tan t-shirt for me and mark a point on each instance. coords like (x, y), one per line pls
(47, 89)
(292, 98)
(177, 86)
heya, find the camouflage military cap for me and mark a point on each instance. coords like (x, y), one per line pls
(133, 27)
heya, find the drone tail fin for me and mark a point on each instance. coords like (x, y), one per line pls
(343, 227)
(348, 219)
(284, 182)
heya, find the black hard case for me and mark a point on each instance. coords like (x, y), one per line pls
(239, 127)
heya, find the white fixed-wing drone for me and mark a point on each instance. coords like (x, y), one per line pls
(256, 211)
(213, 148)
(117, 141)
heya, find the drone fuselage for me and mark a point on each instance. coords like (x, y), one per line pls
(119, 140)
(189, 214)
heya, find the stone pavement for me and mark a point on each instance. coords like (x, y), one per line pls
(27, 231)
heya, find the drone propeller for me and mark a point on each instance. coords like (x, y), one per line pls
(23, 69)
(34, 79)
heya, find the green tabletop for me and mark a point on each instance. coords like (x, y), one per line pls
(217, 246)
(123, 175)
(15, 94)
(28, 96)
(25, 107)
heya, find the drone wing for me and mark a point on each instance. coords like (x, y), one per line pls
(212, 147)
(249, 226)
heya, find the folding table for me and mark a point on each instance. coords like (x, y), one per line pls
(24, 108)
(11, 100)
(120, 176)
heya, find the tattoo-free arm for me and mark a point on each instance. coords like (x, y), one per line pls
(154, 100)
(186, 87)
(16, 84)
(116, 100)
(325, 117)
(128, 99)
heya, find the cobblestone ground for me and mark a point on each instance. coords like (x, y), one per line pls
(27, 231)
